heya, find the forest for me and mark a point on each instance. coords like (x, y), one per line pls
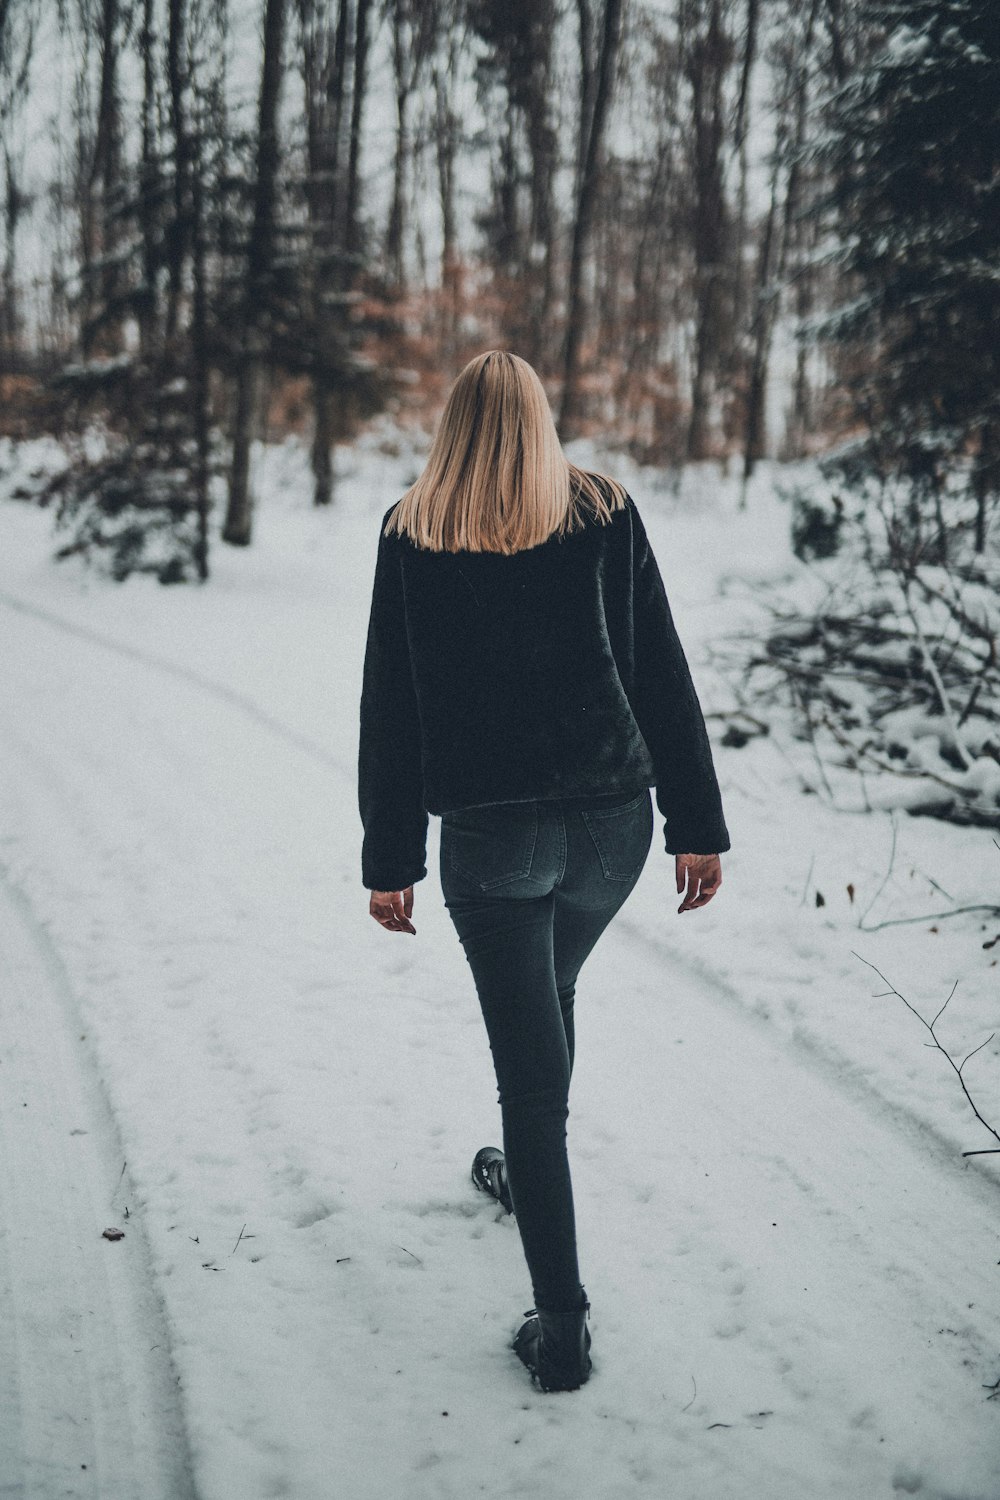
(752, 248)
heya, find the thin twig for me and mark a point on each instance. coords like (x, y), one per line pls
(930, 1025)
(804, 706)
(932, 882)
(885, 878)
(976, 1049)
(930, 916)
(935, 676)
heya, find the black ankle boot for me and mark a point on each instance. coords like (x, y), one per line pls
(555, 1347)
(489, 1173)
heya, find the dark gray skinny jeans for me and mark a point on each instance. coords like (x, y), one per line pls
(530, 887)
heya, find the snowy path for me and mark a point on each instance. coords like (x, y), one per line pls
(87, 1388)
(794, 1287)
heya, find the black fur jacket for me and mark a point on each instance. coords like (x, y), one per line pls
(552, 672)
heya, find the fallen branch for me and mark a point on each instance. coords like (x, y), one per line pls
(929, 916)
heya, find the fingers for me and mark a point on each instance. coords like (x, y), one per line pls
(703, 873)
(692, 895)
(393, 909)
(702, 898)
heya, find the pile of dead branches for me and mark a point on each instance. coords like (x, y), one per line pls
(892, 676)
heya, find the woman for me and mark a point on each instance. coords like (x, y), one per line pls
(524, 680)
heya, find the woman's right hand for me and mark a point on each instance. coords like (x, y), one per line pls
(703, 875)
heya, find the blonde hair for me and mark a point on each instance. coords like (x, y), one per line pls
(496, 478)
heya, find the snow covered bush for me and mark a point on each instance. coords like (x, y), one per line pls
(887, 667)
(817, 519)
(133, 498)
(127, 515)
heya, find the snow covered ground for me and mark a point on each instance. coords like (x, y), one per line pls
(207, 1042)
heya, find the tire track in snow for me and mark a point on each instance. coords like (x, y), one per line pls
(814, 1054)
(240, 701)
(88, 1386)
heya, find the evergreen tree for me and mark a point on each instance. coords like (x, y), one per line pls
(138, 501)
(913, 151)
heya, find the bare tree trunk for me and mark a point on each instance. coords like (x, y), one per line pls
(774, 259)
(97, 159)
(586, 202)
(107, 168)
(335, 65)
(199, 345)
(446, 143)
(403, 75)
(324, 68)
(81, 190)
(585, 35)
(149, 180)
(543, 149)
(238, 527)
(741, 131)
(10, 322)
(763, 326)
(359, 89)
(706, 70)
(17, 41)
(178, 229)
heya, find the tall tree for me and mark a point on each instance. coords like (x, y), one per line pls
(517, 65)
(334, 67)
(413, 28)
(596, 87)
(708, 53)
(99, 186)
(17, 40)
(448, 136)
(793, 66)
(238, 526)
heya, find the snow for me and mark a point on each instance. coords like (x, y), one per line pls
(792, 1269)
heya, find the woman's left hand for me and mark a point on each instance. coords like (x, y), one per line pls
(393, 910)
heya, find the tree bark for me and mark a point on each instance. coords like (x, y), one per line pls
(199, 350)
(238, 527)
(585, 204)
(773, 260)
(359, 89)
(179, 228)
(149, 177)
(741, 132)
(98, 181)
(706, 70)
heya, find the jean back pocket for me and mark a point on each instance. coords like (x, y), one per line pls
(621, 835)
(491, 845)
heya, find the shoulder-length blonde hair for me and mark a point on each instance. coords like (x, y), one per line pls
(496, 478)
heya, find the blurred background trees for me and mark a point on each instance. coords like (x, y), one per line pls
(721, 230)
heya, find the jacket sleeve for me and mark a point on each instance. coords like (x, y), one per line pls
(390, 774)
(669, 715)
